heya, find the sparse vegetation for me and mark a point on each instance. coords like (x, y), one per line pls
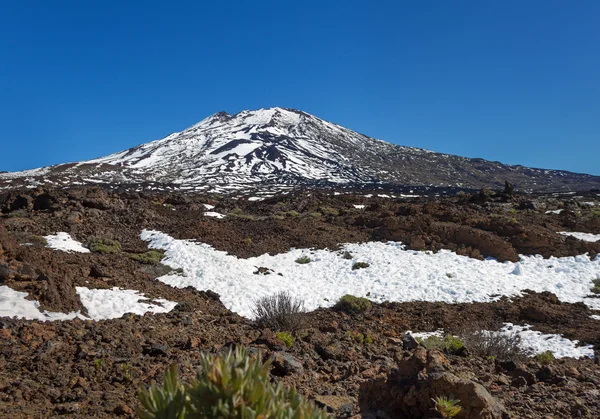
(104, 245)
(151, 257)
(303, 260)
(352, 305)
(286, 338)
(501, 346)
(448, 407)
(38, 240)
(314, 214)
(596, 287)
(293, 213)
(329, 211)
(448, 343)
(280, 311)
(236, 211)
(545, 358)
(360, 265)
(359, 337)
(233, 385)
(247, 241)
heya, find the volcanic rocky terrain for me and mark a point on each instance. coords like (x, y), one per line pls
(351, 364)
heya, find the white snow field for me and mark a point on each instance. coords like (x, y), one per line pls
(63, 241)
(581, 236)
(394, 274)
(113, 303)
(101, 304)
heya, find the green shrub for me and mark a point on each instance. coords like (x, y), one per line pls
(359, 337)
(236, 211)
(360, 265)
(329, 211)
(151, 257)
(233, 385)
(303, 260)
(448, 407)
(596, 287)
(278, 217)
(314, 214)
(104, 246)
(38, 240)
(286, 338)
(448, 343)
(352, 305)
(545, 358)
(293, 213)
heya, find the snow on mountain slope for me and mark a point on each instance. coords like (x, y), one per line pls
(277, 148)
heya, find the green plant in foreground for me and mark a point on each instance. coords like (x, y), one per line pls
(286, 338)
(151, 257)
(360, 265)
(103, 245)
(352, 305)
(303, 260)
(232, 385)
(545, 358)
(448, 407)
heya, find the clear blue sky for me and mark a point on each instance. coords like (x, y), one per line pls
(513, 81)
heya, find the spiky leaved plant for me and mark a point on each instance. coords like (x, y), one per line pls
(448, 407)
(166, 402)
(230, 386)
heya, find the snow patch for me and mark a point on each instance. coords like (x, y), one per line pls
(395, 274)
(214, 214)
(113, 303)
(63, 241)
(581, 236)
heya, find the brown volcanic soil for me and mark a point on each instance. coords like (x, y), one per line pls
(86, 368)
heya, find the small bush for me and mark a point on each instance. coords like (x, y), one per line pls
(232, 385)
(352, 305)
(293, 213)
(329, 211)
(496, 345)
(596, 287)
(314, 214)
(38, 240)
(448, 343)
(545, 358)
(303, 260)
(360, 265)
(359, 337)
(448, 407)
(151, 257)
(286, 338)
(280, 311)
(236, 211)
(104, 246)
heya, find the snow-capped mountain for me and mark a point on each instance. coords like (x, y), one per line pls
(277, 148)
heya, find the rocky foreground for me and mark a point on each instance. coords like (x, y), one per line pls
(351, 364)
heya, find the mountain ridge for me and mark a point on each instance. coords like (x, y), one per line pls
(278, 148)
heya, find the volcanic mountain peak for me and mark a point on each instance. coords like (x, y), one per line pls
(277, 148)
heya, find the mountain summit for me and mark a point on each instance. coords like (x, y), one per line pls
(277, 148)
